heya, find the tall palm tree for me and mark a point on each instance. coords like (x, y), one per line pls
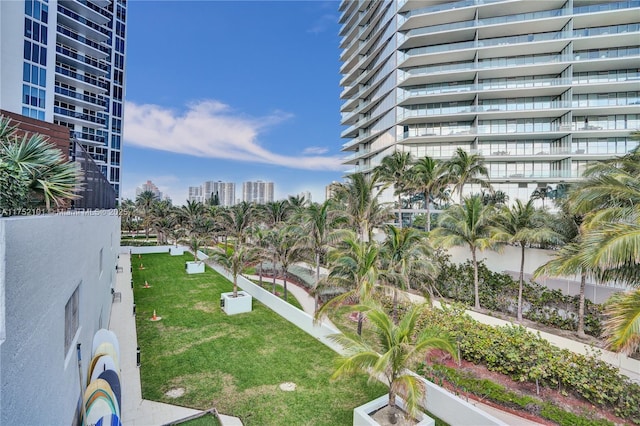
(359, 202)
(393, 171)
(465, 168)
(318, 229)
(401, 345)
(406, 256)
(144, 203)
(470, 224)
(353, 269)
(428, 177)
(288, 250)
(237, 220)
(33, 172)
(274, 212)
(523, 224)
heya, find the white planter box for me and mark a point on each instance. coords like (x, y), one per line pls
(236, 305)
(195, 267)
(176, 251)
(361, 414)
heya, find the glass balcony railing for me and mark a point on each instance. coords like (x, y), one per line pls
(590, 55)
(603, 7)
(81, 58)
(524, 17)
(84, 78)
(71, 14)
(440, 7)
(87, 137)
(614, 29)
(104, 49)
(589, 103)
(73, 94)
(567, 174)
(440, 28)
(75, 114)
(597, 77)
(522, 60)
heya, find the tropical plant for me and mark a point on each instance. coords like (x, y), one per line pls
(354, 270)
(522, 225)
(144, 203)
(235, 260)
(274, 212)
(288, 249)
(428, 177)
(464, 168)
(358, 200)
(469, 223)
(622, 326)
(237, 220)
(33, 172)
(401, 346)
(393, 170)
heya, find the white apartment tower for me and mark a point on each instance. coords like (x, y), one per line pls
(539, 88)
(257, 192)
(226, 192)
(63, 61)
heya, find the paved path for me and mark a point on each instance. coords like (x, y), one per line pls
(135, 410)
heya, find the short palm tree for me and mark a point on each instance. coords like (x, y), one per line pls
(288, 250)
(470, 224)
(235, 260)
(33, 172)
(397, 347)
(522, 225)
(464, 168)
(393, 170)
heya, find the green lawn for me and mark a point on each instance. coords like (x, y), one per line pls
(234, 363)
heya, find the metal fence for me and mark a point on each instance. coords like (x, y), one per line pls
(96, 192)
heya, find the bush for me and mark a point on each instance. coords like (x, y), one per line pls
(524, 356)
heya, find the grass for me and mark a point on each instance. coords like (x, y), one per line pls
(234, 363)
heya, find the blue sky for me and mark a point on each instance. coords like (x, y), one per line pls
(232, 91)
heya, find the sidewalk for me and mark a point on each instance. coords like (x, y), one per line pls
(135, 411)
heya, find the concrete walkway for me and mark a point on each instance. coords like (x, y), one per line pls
(135, 410)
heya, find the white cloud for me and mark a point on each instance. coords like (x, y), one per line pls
(315, 150)
(322, 23)
(211, 129)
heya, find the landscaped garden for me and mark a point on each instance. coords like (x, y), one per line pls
(233, 363)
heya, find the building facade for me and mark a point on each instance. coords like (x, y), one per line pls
(150, 187)
(540, 88)
(63, 62)
(225, 191)
(257, 192)
(195, 194)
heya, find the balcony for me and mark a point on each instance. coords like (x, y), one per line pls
(88, 138)
(86, 81)
(82, 62)
(86, 101)
(83, 44)
(79, 117)
(88, 10)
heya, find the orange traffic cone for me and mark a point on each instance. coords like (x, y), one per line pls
(141, 267)
(154, 317)
(146, 284)
(139, 256)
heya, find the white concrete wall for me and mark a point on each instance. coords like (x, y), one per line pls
(45, 259)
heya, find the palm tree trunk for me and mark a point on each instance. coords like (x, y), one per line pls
(360, 320)
(235, 285)
(394, 312)
(475, 278)
(583, 283)
(426, 206)
(284, 273)
(521, 284)
(315, 295)
(399, 212)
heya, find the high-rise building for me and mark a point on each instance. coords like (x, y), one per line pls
(63, 62)
(195, 194)
(150, 187)
(225, 191)
(257, 192)
(540, 88)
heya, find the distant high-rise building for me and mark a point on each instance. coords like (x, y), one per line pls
(195, 194)
(330, 190)
(63, 62)
(151, 187)
(257, 192)
(541, 89)
(226, 192)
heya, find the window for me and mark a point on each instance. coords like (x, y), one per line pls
(71, 318)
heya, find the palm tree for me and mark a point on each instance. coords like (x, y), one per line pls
(406, 256)
(393, 171)
(235, 260)
(33, 172)
(358, 201)
(144, 202)
(274, 212)
(428, 177)
(288, 250)
(400, 347)
(523, 224)
(467, 168)
(622, 326)
(468, 223)
(318, 232)
(237, 220)
(354, 269)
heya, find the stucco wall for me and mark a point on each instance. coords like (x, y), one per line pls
(45, 259)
